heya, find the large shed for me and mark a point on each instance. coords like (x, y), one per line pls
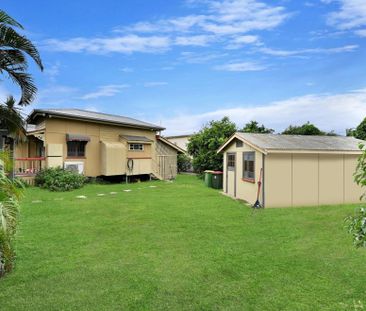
(296, 170)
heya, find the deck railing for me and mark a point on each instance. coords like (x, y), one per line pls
(28, 166)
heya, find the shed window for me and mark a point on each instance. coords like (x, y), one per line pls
(76, 148)
(231, 161)
(136, 147)
(248, 165)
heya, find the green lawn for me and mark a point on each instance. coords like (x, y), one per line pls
(179, 246)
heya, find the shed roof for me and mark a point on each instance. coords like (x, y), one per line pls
(276, 142)
(92, 116)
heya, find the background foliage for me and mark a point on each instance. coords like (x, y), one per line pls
(203, 145)
(357, 223)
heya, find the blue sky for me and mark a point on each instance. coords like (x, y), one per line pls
(181, 63)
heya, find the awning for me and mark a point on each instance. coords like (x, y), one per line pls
(76, 137)
(136, 139)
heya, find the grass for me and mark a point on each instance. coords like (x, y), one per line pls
(180, 246)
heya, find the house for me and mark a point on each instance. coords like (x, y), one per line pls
(180, 140)
(296, 170)
(95, 144)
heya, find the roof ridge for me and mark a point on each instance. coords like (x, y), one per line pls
(95, 116)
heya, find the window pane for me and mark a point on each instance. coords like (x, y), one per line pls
(248, 165)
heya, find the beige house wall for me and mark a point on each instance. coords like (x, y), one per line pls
(181, 142)
(166, 162)
(56, 130)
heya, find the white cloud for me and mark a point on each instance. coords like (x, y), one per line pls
(328, 111)
(351, 14)
(200, 40)
(155, 84)
(178, 24)
(242, 16)
(361, 32)
(240, 41)
(219, 21)
(284, 53)
(200, 58)
(105, 91)
(240, 67)
(124, 44)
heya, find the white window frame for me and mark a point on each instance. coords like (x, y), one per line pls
(136, 147)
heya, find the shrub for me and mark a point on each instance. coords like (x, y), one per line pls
(357, 227)
(58, 179)
(357, 224)
(10, 193)
(184, 163)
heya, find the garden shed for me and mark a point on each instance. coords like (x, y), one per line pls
(293, 170)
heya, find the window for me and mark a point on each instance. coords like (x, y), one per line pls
(248, 165)
(231, 161)
(136, 147)
(76, 148)
(239, 143)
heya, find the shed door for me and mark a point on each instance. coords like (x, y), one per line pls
(231, 174)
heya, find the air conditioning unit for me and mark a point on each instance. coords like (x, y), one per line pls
(74, 167)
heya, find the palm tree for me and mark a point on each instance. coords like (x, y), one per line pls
(11, 118)
(10, 193)
(13, 61)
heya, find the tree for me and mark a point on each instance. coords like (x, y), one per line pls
(253, 127)
(359, 132)
(14, 49)
(305, 129)
(203, 145)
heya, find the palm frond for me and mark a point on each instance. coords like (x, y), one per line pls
(12, 58)
(6, 19)
(25, 82)
(10, 117)
(11, 39)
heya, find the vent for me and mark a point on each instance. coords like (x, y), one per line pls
(77, 167)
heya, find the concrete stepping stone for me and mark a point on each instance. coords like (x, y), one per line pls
(152, 186)
(81, 197)
(100, 195)
(127, 190)
(112, 193)
(36, 201)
